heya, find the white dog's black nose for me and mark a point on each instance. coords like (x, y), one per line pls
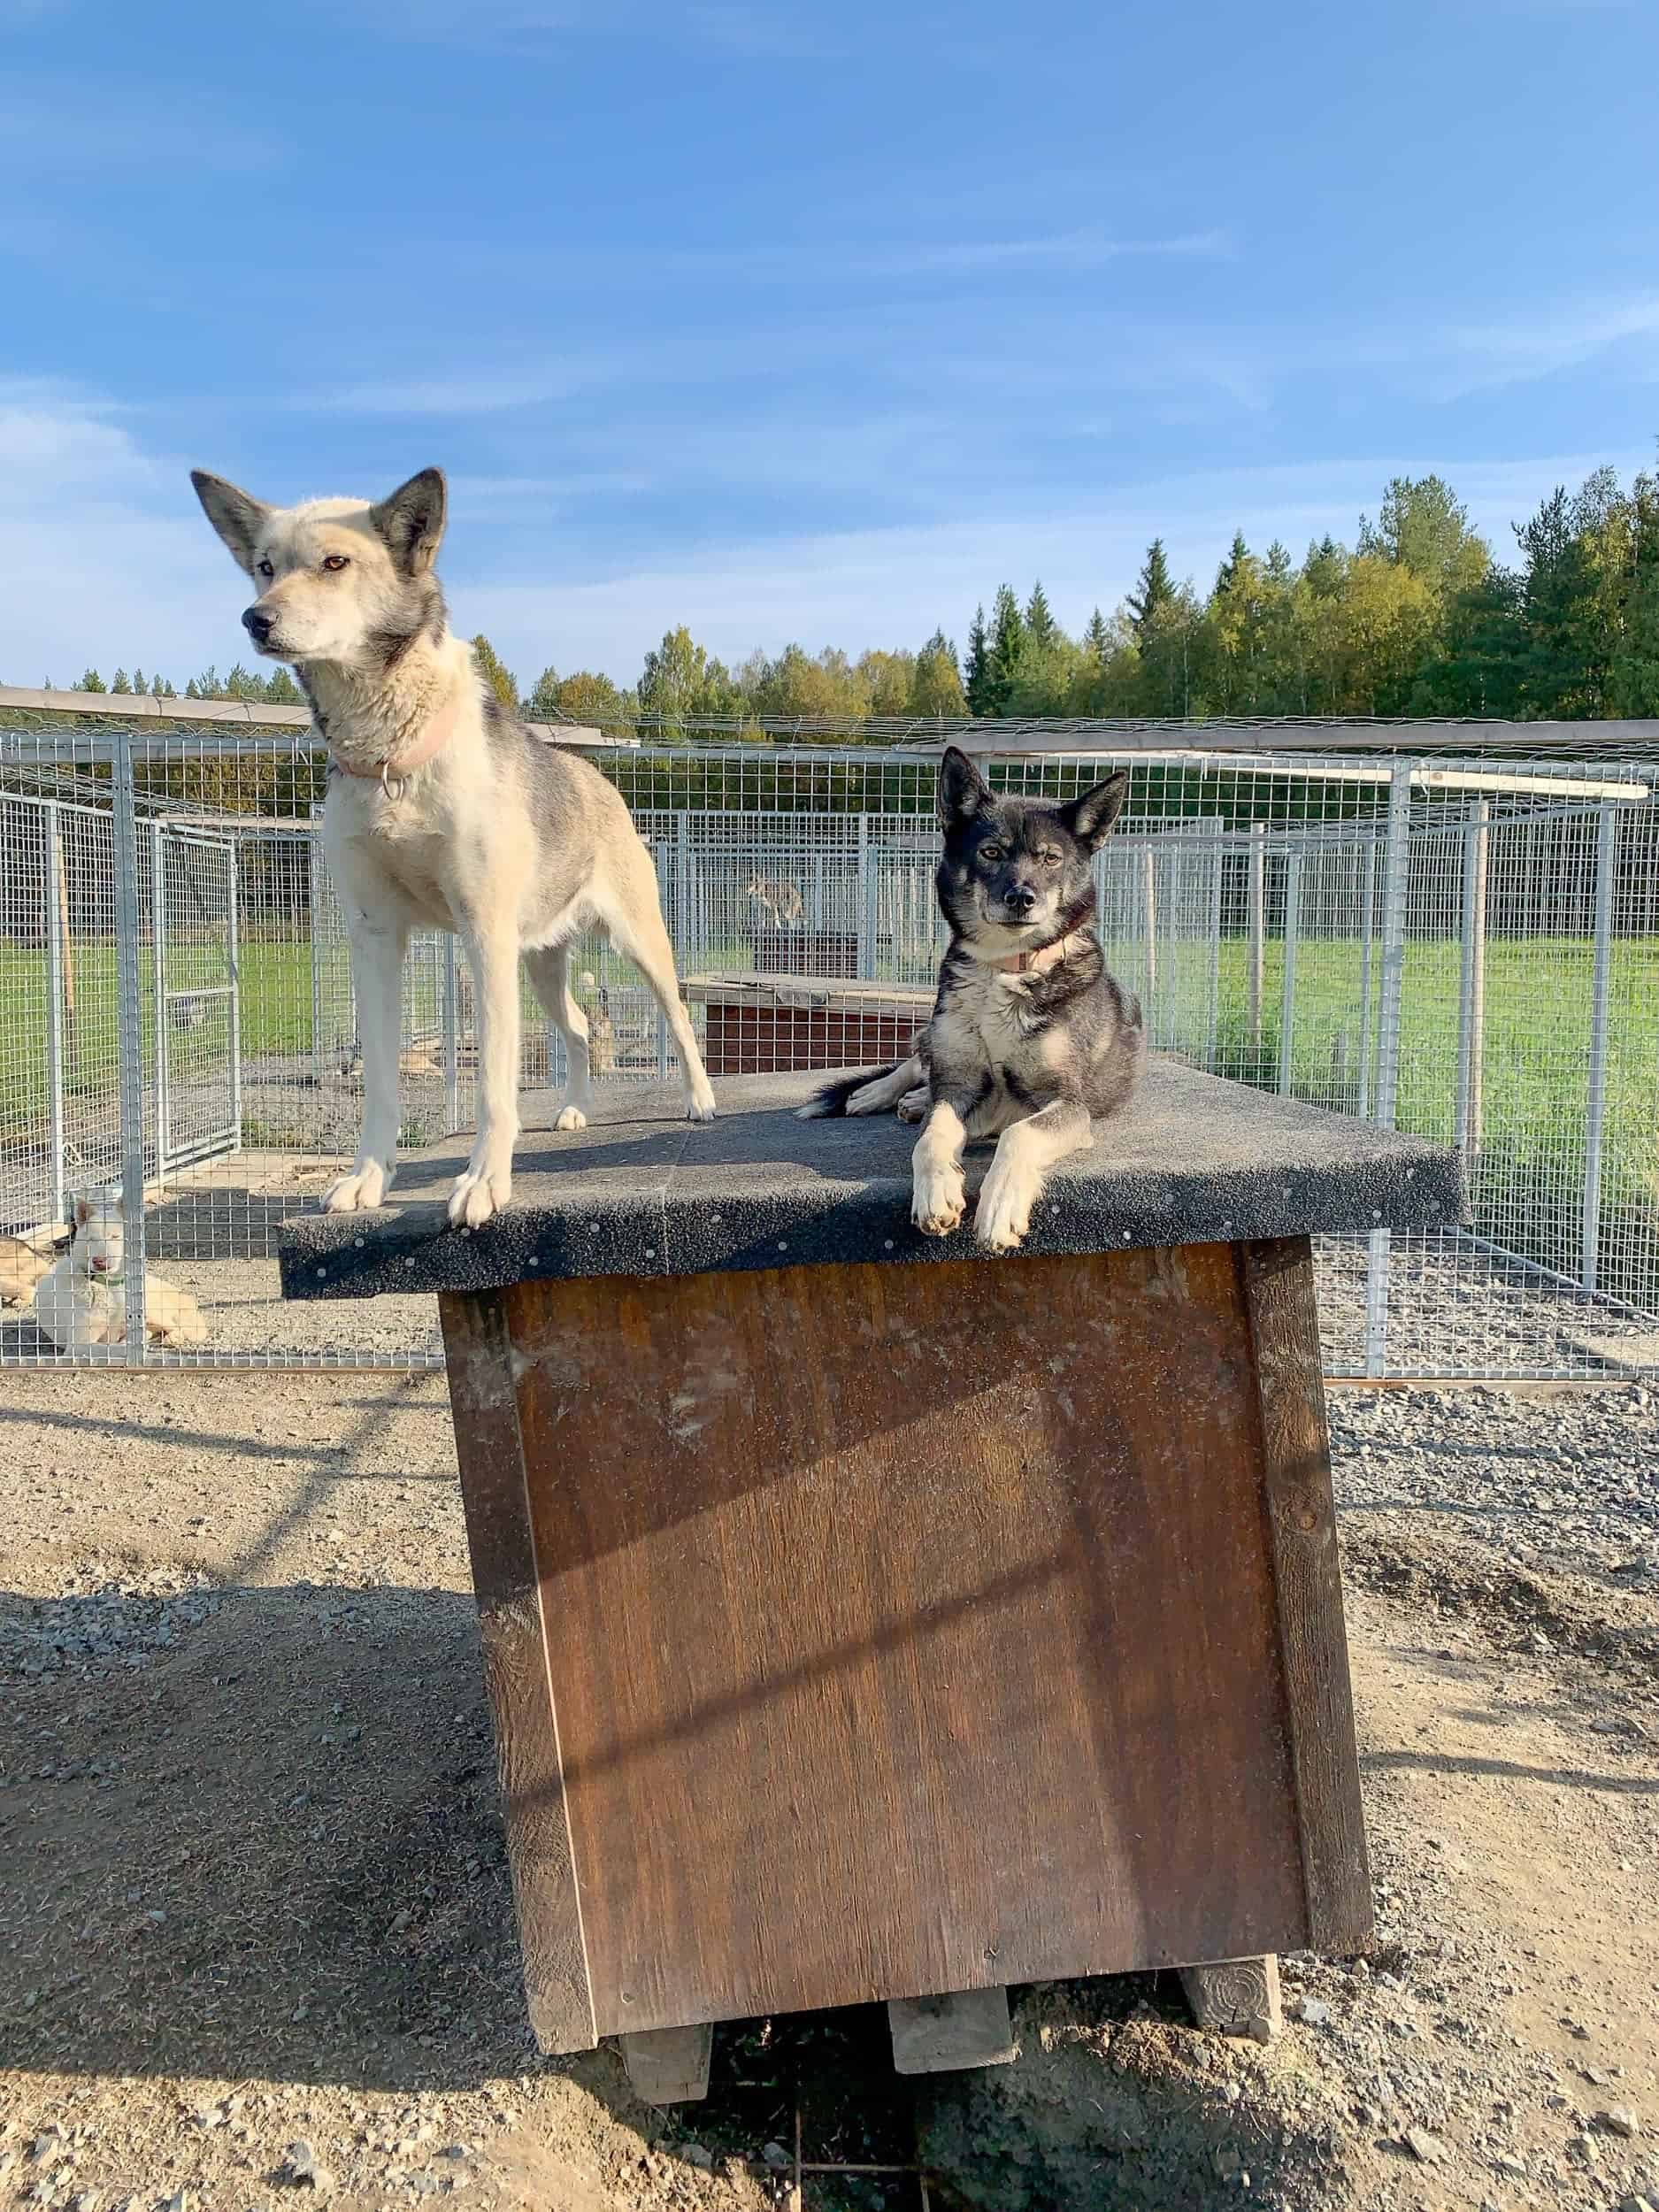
(259, 625)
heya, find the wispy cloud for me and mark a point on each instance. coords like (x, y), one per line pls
(723, 29)
(761, 34)
(820, 259)
(57, 123)
(1512, 351)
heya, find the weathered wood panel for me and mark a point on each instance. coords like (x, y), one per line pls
(498, 1535)
(909, 1629)
(1278, 1279)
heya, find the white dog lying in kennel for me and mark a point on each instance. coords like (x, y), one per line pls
(81, 1301)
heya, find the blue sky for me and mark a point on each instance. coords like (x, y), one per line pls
(805, 322)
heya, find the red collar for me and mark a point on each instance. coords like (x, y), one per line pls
(1038, 962)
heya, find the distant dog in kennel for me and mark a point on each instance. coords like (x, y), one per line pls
(80, 1302)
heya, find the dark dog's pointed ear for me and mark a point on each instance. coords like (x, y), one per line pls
(1090, 817)
(963, 790)
(411, 521)
(236, 515)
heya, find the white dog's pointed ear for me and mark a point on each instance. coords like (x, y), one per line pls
(83, 1211)
(236, 515)
(1090, 817)
(411, 521)
(963, 790)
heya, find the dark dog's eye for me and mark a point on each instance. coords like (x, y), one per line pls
(1048, 856)
(335, 562)
(266, 569)
(990, 852)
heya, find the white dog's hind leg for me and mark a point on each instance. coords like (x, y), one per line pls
(377, 972)
(550, 979)
(487, 1185)
(644, 940)
(1025, 1152)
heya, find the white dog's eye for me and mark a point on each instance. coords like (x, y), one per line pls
(335, 562)
(266, 569)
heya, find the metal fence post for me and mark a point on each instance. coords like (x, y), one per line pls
(1287, 1000)
(1396, 865)
(314, 908)
(867, 903)
(52, 867)
(1471, 1008)
(233, 948)
(158, 993)
(1150, 908)
(1368, 930)
(1257, 928)
(129, 1029)
(452, 1039)
(1595, 1124)
(1217, 867)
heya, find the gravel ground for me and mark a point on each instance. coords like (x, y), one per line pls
(256, 1939)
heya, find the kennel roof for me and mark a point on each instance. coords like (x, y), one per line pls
(642, 1192)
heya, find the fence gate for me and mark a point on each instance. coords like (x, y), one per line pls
(198, 1042)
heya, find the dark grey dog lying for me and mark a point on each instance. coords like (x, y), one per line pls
(1031, 1037)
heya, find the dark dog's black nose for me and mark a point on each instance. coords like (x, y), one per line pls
(1019, 898)
(259, 625)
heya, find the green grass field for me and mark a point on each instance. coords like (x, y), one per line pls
(1528, 1177)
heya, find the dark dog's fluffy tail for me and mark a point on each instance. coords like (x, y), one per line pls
(824, 1105)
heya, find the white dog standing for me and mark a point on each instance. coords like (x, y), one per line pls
(444, 813)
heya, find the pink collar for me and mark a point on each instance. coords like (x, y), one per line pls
(391, 771)
(1036, 962)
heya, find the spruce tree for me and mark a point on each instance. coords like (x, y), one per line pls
(976, 675)
(1040, 627)
(122, 682)
(1096, 639)
(1153, 591)
(1009, 641)
(91, 681)
(1238, 553)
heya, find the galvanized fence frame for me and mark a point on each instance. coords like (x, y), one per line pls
(1327, 926)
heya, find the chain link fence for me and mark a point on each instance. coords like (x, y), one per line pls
(1464, 947)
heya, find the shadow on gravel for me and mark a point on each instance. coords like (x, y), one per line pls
(1513, 1770)
(256, 1834)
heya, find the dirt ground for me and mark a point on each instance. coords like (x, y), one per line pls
(255, 1940)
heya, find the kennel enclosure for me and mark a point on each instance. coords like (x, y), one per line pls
(1448, 931)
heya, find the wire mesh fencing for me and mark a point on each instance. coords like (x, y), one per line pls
(1466, 948)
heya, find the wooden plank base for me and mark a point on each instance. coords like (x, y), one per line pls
(1236, 1997)
(669, 2065)
(942, 2035)
(1059, 1550)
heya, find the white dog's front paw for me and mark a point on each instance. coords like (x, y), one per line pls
(1003, 1218)
(570, 1117)
(937, 1198)
(360, 1192)
(700, 1106)
(478, 1195)
(913, 1105)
